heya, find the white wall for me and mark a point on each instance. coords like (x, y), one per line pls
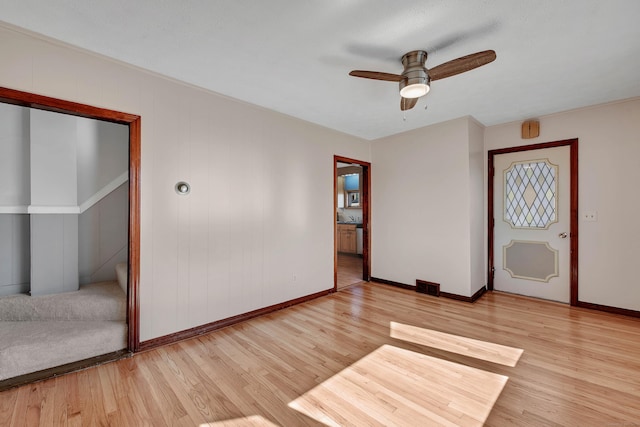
(261, 207)
(609, 168)
(103, 237)
(54, 171)
(477, 212)
(54, 254)
(421, 225)
(103, 233)
(14, 162)
(14, 254)
(14, 198)
(103, 155)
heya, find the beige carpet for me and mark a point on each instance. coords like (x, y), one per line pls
(42, 332)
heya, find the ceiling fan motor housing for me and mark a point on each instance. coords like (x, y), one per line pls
(415, 73)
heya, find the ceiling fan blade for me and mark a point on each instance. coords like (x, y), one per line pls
(376, 75)
(407, 103)
(462, 64)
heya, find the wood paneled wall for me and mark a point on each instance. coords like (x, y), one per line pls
(257, 227)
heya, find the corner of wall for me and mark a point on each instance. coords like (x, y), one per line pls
(477, 207)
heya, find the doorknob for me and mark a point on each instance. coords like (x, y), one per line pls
(563, 235)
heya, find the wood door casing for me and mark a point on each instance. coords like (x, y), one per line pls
(366, 215)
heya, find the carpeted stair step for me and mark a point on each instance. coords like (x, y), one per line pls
(27, 347)
(97, 301)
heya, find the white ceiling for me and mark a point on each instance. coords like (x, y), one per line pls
(294, 56)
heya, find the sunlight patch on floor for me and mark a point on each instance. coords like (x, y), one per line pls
(394, 386)
(477, 349)
(252, 421)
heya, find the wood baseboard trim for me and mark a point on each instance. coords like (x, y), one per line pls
(455, 297)
(608, 309)
(392, 283)
(449, 295)
(63, 369)
(473, 298)
(210, 327)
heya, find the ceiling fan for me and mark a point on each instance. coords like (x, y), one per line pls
(416, 78)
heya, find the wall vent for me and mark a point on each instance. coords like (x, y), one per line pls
(429, 288)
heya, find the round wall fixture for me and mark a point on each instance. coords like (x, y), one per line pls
(183, 188)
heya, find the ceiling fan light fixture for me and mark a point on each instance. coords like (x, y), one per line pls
(415, 83)
(415, 80)
(415, 90)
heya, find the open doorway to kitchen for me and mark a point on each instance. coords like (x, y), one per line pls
(352, 211)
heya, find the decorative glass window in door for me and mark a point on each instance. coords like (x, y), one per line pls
(530, 194)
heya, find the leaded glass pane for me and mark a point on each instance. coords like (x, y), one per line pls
(530, 193)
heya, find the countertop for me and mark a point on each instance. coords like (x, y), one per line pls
(357, 224)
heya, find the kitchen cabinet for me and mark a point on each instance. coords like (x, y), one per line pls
(347, 239)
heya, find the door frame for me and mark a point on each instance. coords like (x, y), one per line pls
(366, 217)
(573, 208)
(40, 102)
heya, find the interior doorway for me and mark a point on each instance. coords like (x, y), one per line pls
(352, 186)
(533, 220)
(132, 220)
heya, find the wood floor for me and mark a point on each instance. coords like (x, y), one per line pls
(371, 354)
(349, 270)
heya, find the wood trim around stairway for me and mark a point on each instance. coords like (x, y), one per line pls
(56, 371)
(40, 102)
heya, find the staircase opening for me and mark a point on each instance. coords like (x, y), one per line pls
(69, 200)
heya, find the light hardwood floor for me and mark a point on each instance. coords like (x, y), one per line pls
(368, 355)
(349, 270)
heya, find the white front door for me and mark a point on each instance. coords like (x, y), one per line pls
(532, 223)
